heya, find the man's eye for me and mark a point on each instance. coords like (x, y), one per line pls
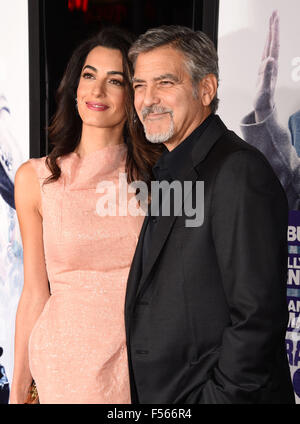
(137, 86)
(165, 82)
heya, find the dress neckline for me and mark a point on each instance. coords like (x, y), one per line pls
(113, 147)
(85, 172)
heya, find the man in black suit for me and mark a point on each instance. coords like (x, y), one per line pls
(205, 310)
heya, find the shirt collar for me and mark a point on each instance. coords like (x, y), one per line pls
(171, 165)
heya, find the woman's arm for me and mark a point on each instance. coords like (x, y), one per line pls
(35, 290)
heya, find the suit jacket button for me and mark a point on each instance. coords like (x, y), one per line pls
(142, 352)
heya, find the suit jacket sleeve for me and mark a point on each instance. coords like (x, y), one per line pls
(276, 144)
(249, 224)
(294, 127)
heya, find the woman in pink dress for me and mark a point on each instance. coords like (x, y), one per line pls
(70, 335)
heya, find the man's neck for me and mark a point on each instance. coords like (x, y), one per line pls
(173, 143)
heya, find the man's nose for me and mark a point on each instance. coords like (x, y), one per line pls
(151, 96)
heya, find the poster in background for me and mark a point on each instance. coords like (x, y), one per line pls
(259, 52)
(14, 149)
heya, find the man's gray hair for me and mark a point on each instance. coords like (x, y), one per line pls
(199, 51)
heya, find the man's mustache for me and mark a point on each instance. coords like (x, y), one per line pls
(155, 109)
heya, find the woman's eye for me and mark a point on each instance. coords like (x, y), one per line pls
(87, 75)
(116, 82)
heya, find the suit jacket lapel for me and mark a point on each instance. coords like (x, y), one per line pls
(138, 279)
(162, 231)
(136, 267)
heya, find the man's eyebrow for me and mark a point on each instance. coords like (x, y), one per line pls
(171, 77)
(167, 76)
(108, 73)
(137, 80)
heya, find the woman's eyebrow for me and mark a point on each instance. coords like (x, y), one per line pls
(91, 67)
(108, 72)
(116, 73)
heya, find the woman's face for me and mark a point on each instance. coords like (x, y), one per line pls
(101, 89)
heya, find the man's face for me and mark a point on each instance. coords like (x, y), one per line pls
(166, 102)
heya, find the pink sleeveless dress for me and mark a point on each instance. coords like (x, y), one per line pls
(77, 348)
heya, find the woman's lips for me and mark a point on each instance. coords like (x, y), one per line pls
(99, 107)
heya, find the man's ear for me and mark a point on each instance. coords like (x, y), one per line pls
(208, 89)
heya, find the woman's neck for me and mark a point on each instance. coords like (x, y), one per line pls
(93, 138)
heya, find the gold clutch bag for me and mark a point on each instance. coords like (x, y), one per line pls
(32, 396)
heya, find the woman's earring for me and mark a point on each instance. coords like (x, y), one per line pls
(76, 103)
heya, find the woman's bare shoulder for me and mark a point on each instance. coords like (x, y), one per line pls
(27, 186)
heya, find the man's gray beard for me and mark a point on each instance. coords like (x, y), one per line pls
(160, 137)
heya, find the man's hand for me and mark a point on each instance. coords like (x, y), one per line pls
(267, 75)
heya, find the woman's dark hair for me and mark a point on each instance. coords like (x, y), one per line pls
(66, 126)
